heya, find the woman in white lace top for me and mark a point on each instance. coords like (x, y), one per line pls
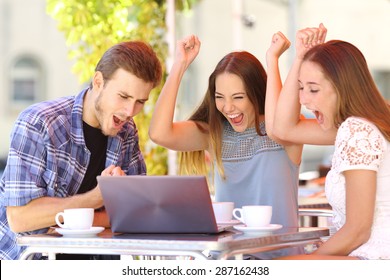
(333, 81)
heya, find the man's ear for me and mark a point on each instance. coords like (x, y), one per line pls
(98, 80)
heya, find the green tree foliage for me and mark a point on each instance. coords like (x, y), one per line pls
(92, 26)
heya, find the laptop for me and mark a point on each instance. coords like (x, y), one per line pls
(159, 204)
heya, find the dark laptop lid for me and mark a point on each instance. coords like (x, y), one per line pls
(158, 204)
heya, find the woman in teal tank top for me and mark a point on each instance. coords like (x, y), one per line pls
(249, 165)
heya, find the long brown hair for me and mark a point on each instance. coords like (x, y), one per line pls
(247, 67)
(357, 95)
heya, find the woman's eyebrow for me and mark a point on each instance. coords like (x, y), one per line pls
(309, 83)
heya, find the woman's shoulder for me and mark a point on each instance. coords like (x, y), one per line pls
(357, 128)
(359, 144)
(358, 124)
(357, 120)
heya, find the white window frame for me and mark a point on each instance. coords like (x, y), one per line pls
(26, 69)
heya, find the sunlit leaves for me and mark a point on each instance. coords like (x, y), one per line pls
(92, 26)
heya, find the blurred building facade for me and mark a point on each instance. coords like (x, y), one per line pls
(224, 26)
(34, 63)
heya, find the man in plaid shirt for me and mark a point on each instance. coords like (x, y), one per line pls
(58, 147)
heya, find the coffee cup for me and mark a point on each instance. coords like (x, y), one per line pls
(75, 218)
(254, 215)
(223, 211)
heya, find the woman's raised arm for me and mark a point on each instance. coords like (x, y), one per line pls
(288, 125)
(184, 135)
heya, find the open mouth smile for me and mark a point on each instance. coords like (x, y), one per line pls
(236, 119)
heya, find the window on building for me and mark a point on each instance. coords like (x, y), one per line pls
(26, 82)
(382, 80)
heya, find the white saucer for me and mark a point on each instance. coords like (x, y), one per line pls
(80, 232)
(231, 222)
(265, 229)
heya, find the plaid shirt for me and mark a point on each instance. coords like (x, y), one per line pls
(48, 157)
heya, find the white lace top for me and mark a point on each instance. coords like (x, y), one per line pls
(360, 145)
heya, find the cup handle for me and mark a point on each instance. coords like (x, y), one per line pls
(58, 215)
(240, 217)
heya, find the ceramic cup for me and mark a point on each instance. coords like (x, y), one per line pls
(76, 218)
(223, 211)
(254, 215)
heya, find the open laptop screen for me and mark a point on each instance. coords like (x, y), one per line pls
(158, 204)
